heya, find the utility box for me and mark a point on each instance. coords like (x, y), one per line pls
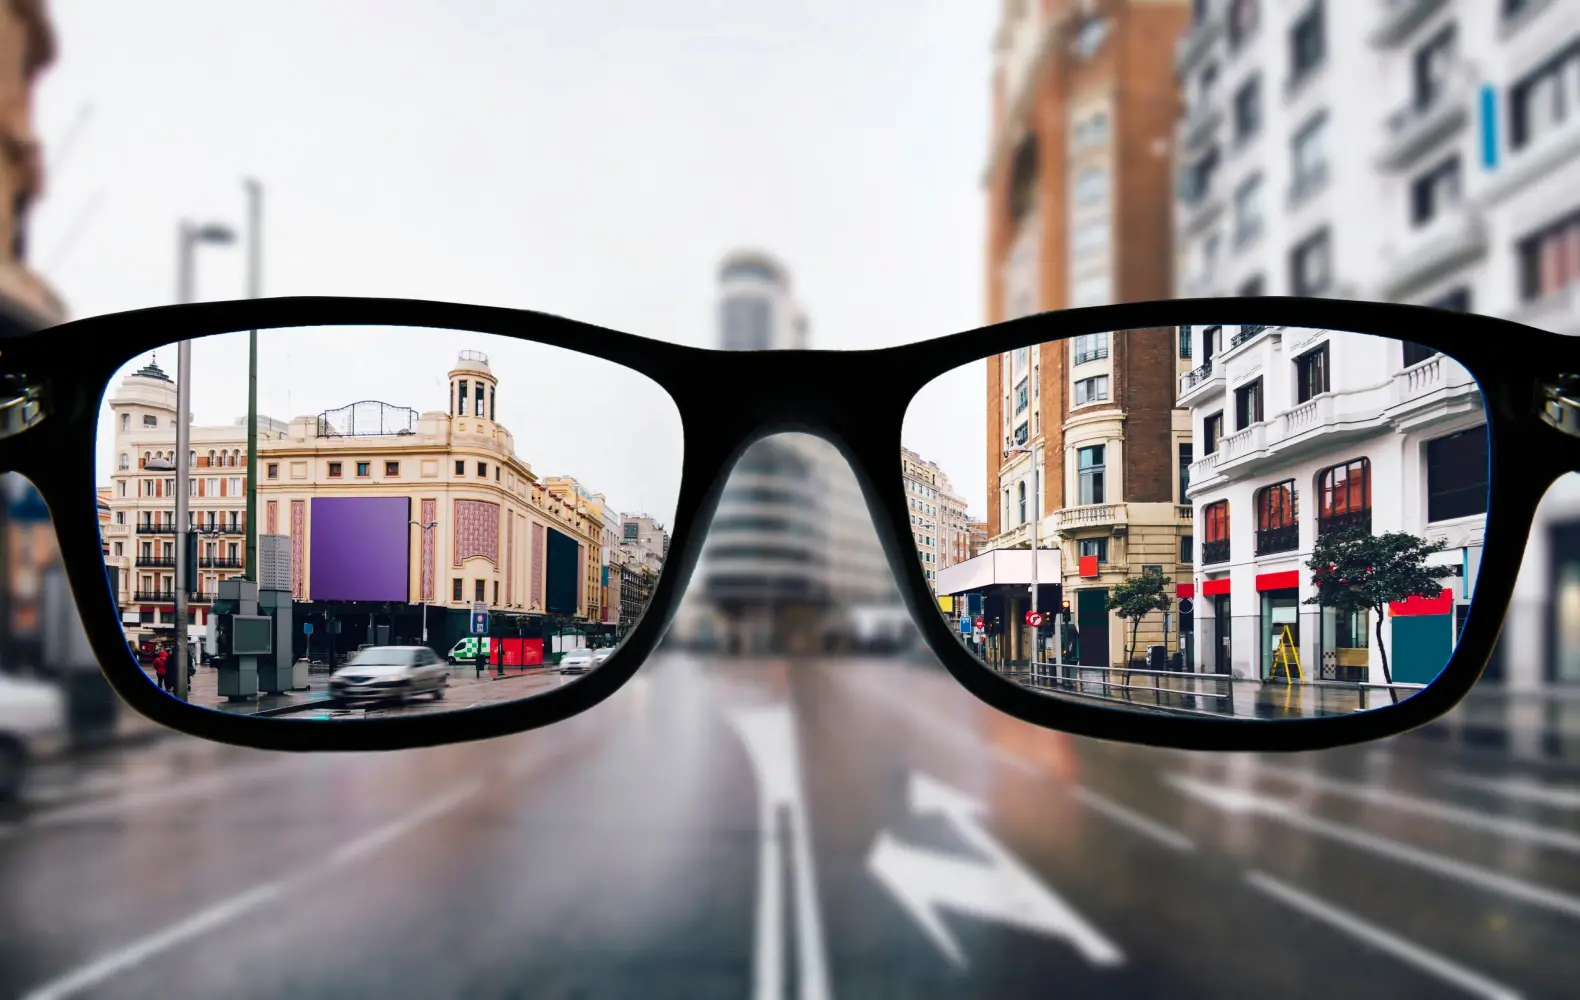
(238, 675)
(276, 670)
(1157, 658)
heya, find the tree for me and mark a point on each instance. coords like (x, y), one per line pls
(1354, 570)
(1136, 598)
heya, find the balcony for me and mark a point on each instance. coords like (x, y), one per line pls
(220, 562)
(1455, 238)
(1186, 512)
(1199, 126)
(1285, 538)
(1242, 443)
(1558, 312)
(157, 562)
(156, 528)
(1312, 415)
(1196, 43)
(1416, 129)
(1248, 333)
(1339, 522)
(1214, 552)
(1198, 382)
(222, 529)
(1398, 19)
(1096, 354)
(153, 595)
(1090, 516)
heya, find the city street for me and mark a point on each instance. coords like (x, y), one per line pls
(851, 828)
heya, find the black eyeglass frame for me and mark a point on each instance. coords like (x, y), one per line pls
(727, 401)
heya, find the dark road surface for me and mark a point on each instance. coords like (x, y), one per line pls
(756, 830)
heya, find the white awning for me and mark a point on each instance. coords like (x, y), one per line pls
(999, 567)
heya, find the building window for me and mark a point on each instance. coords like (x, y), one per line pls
(1253, 287)
(1550, 258)
(1457, 300)
(1215, 544)
(1091, 347)
(496, 592)
(272, 470)
(126, 422)
(478, 393)
(1344, 496)
(1091, 390)
(1244, 15)
(1091, 187)
(1023, 179)
(1248, 405)
(334, 470)
(1307, 43)
(482, 470)
(460, 468)
(392, 468)
(1310, 265)
(1211, 432)
(1311, 374)
(149, 420)
(1248, 110)
(1022, 397)
(1186, 458)
(1184, 342)
(1248, 210)
(1434, 63)
(460, 399)
(479, 590)
(1091, 131)
(1021, 494)
(1277, 519)
(1435, 191)
(364, 469)
(491, 414)
(1544, 99)
(1090, 468)
(1092, 238)
(1309, 156)
(1093, 547)
(1198, 180)
(455, 590)
(1457, 475)
(1187, 549)
(1415, 353)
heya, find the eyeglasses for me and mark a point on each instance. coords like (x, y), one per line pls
(1240, 524)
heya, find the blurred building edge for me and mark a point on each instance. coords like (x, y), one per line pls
(41, 633)
(792, 564)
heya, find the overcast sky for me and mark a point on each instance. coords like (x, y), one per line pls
(591, 160)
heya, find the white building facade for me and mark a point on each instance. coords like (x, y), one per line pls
(1431, 158)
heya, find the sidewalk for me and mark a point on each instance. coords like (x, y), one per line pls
(465, 688)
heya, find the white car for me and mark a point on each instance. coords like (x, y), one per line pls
(601, 654)
(33, 728)
(390, 673)
(577, 661)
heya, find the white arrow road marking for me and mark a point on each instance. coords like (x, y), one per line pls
(1402, 802)
(926, 882)
(1243, 802)
(770, 738)
(1520, 789)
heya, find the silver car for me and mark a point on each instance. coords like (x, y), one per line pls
(390, 673)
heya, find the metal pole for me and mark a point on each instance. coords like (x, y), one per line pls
(254, 289)
(1036, 514)
(183, 463)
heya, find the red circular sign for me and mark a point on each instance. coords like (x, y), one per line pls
(1034, 618)
(980, 622)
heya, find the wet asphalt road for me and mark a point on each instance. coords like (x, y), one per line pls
(828, 829)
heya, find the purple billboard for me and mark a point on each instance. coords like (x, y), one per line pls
(360, 549)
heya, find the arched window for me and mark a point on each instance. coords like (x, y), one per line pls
(1277, 519)
(1215, 543)
(1344, 496)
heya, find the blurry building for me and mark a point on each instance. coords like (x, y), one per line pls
(1084, 436)
(27, 47)
(1414, 151)
(791, 550)
(976, 538)
(500, 536)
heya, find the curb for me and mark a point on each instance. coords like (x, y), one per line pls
(306, 706)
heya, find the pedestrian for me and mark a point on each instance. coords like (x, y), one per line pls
(160, 668)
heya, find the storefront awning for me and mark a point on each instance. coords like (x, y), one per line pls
(999, 567)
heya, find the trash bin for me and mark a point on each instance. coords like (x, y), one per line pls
(1157, 657)
(1177, 662)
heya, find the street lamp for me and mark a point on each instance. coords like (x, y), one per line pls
(1036, 515)
(254, 289)
(189, 236)
(426, 527)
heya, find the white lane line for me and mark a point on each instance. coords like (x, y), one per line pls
(770, 737)
(1384, 940)
(221, 913)
(1244, 802)
(1125, 816)
(1388, 798)
(1519, 788)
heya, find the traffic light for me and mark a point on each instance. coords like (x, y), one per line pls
(1064, 611)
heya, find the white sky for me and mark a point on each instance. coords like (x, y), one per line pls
(591, 160)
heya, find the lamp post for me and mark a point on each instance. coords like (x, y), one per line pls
(254, 289)
(188, 238)
(425, 527)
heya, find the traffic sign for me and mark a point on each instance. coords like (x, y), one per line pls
(479, 623)
(1034, 618)
(307, 628)
(981, 623)
(965, 626)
